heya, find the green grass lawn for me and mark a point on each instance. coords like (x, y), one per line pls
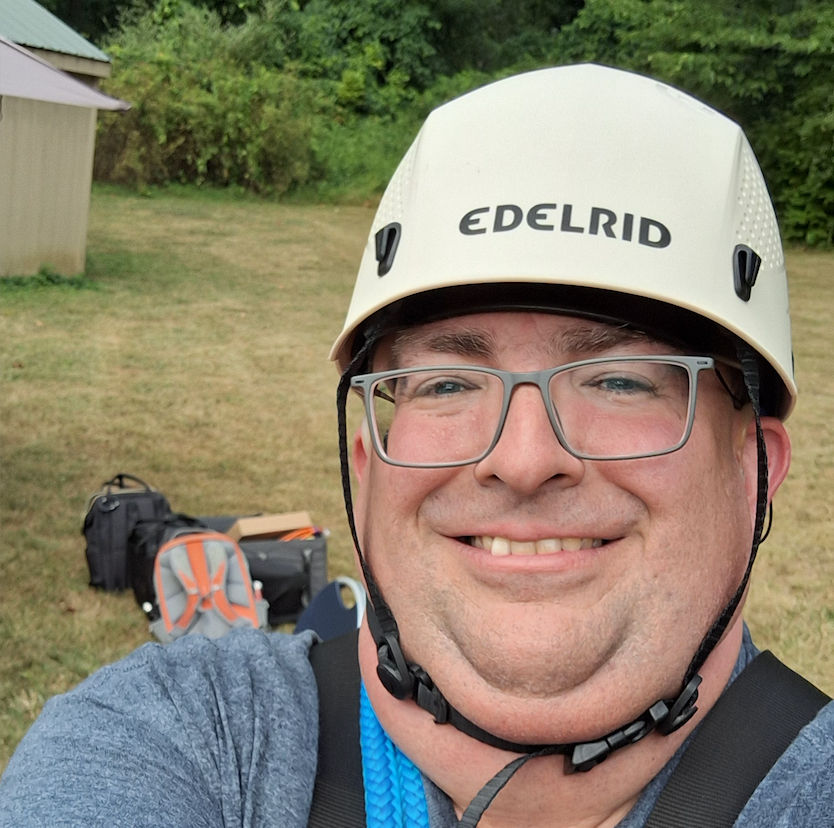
(194, 354)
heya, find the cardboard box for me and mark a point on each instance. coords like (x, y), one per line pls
(261, 527)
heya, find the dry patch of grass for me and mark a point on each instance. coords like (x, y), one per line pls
(198, 359)
(791, 605)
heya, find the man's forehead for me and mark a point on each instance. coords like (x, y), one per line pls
(483, 334)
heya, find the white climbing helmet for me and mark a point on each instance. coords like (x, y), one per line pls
(593, 180)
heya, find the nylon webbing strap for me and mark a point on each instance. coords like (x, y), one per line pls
(339, 793)
(747, 730)
(740, 739)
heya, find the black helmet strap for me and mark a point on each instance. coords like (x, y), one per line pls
(750, 371)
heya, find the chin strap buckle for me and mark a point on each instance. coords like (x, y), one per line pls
(682, 709)
(587, 755)
(662, 716)
(392, 667)
(428, 697)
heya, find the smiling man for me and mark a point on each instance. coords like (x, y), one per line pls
(573, 429)
(570, 343)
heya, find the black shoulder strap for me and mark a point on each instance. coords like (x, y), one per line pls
(740, 739)
(747, 730)
(339, 793)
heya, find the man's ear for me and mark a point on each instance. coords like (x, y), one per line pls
(778, 445)
(362, 449)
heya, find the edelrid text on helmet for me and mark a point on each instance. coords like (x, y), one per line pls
(551, 216)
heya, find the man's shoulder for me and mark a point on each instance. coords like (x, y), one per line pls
(241, 656)
(248, 668)
(798, 792)
(219, 728)
(196, 681)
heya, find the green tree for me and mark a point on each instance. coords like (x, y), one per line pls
(372, 52)
(769, 64)
(94, 19)
(90, 18)
(490, 35)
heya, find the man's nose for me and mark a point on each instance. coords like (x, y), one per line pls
(528, 453)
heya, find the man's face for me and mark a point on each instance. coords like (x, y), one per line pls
(542, 592)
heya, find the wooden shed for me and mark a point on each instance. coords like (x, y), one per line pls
(47, 140)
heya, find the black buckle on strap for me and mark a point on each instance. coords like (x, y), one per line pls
(683, 708)
(587, 755)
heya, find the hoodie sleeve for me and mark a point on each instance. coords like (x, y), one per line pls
(198, 733)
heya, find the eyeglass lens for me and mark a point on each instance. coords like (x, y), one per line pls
(604, 410)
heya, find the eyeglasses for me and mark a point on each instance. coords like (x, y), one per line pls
(616, 408)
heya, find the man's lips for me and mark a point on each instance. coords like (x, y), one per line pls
(500, 547)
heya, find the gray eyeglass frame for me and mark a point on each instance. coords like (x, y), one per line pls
(363, 383)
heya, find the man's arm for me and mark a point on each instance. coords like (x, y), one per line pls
(199, 733)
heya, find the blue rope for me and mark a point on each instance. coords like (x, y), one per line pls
(394, 793)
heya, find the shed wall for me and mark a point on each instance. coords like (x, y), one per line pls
(46, 158)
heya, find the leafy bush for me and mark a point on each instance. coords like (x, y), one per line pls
(198, 116)
(355, 159)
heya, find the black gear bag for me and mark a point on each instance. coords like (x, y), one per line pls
(143, 544)
(112, 513)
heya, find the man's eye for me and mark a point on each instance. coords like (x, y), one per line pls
(619, 384)
(440, 388)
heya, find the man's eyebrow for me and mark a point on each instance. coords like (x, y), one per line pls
(577, 341)
(469, 343)
(586, 339)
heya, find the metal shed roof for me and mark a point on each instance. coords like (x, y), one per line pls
(23, 75)
(30, 24)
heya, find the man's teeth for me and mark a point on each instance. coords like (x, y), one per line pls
(548, 546)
